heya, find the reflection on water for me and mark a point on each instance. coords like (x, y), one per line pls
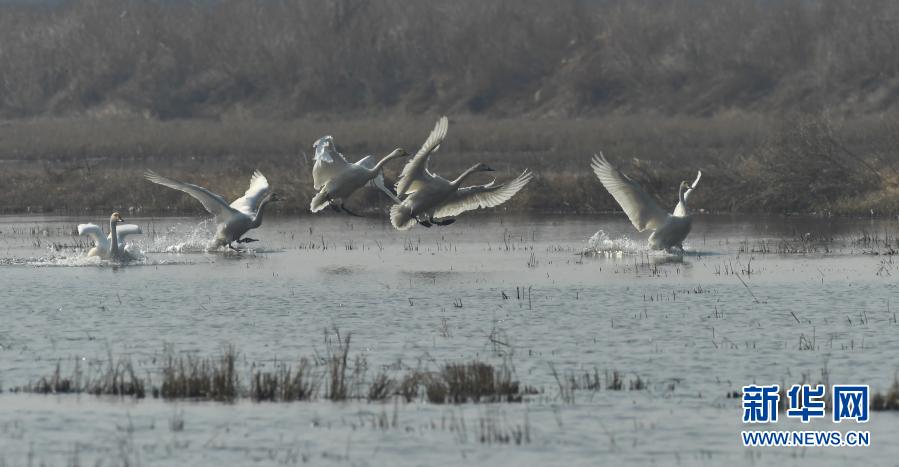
(742, 305)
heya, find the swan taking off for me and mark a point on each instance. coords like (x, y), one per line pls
(669, 230)
(236, 219)
(104, 247)
(336, 179)
(430, 199)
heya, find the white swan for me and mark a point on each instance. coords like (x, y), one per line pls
(430, 199)
(669, 230)
(336, 179)
(236, 219)
(104, 247)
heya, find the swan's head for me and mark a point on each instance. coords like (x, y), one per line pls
(482, 167)
(116, 217)
(323, 141)
(399, 152)
(325, 148)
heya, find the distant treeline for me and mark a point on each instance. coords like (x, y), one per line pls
(504, 58)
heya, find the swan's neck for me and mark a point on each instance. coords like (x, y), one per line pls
(114, 240)
(682, 200)
(464, 175)
(257, 219)
(692, 186)
(386, 159)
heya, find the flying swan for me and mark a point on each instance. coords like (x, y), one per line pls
(104, 247)
(429, 199)
(336, 179)
(669, 230)
(236, 219)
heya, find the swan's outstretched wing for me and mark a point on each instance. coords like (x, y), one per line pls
(640, 208)
(328, 162)
(249, 202)
(213, 203)
(125, 230)
(95, 233)
(417, 167)
(369, 163)
(482, 196)
(680, 210)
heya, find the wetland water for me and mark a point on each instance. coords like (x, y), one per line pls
(754, 300)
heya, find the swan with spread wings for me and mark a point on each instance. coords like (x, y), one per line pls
(669, 230)
(337, 179)
(429, 199)
(104, 246)
(235, 219)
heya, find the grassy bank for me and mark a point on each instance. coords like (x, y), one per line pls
(751, 162)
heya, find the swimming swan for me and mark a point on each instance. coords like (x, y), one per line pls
(236, 219)
(430, 199)
(336, 179)
(104, 247)
(669, 230)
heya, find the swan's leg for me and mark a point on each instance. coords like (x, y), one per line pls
(334, 206)
(445, 221)
(348, 211)
(246, 240)
(425, 222)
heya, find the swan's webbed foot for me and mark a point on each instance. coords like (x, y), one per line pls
(335, 207)
(444, 222)
(246, 240)
(425, 222)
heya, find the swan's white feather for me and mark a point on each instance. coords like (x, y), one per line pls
(249, 202)
(641, 209)
(215, 204)
(481, 196)
(417, 168)
(369, 163)
(94, 232)
(329, 163)
(102, 242)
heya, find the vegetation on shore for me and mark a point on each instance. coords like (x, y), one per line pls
(807, 164)
(788, 107)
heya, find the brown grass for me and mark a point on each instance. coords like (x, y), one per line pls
(750, 164)
(189, 377)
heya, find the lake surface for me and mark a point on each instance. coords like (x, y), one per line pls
(754, 300)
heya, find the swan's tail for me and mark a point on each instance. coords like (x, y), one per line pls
(319, 201)
(401, 217)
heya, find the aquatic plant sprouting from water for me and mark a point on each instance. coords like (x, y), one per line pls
(474, 381)
(200, 378)
(381, 387)
(338, 389)
(285, 384)
(888, 400)
(117, 378)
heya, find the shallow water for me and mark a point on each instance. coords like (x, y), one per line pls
(764, 300)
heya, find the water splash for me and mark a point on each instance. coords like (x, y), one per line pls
(180, 238)
(601, 244)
